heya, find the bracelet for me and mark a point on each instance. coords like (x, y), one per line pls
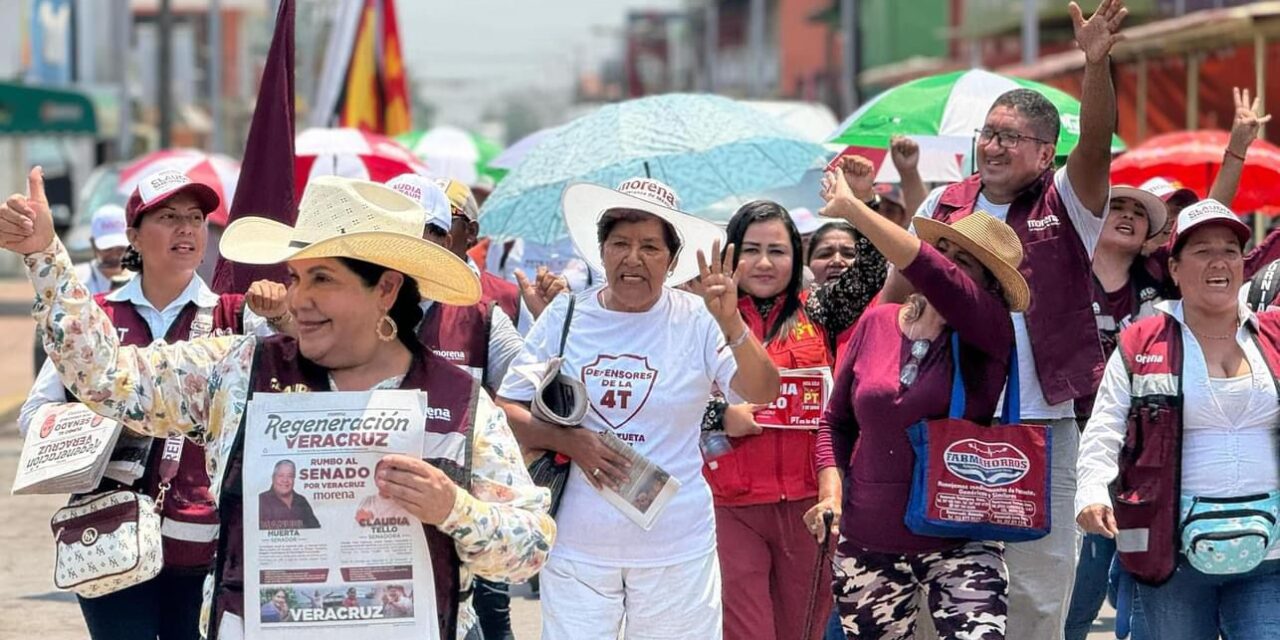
(280, 319)
(741, 339)
(1233, 154)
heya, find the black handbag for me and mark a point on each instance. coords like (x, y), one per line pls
(551, 469)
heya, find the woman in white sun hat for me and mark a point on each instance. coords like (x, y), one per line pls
(1123, 293)
(358, 268)
(648, 356)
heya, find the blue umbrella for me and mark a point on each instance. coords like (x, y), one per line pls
(705, 147)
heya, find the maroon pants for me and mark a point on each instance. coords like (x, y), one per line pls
(767, 562)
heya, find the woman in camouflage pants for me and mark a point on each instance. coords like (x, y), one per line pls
(897, 370)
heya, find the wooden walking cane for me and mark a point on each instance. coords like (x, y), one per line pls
(823, 551)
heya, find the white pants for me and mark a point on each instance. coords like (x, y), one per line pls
(1042, 572)
(582, 601)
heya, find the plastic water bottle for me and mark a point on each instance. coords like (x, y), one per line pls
(714, 444)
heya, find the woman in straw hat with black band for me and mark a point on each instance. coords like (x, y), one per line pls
(358, 267)
(898, 371)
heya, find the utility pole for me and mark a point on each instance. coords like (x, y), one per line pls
(756, 26)
(1030, 31)
(851, 62)
(164, 64)
(215, 75)
(122, 43)
(711, 42)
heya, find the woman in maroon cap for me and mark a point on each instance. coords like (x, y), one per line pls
(167, 235)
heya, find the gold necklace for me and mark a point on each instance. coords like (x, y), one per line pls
(1206, 336)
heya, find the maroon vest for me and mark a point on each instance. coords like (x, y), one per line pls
(1147, 491)
(505, 294)
(278, 365)
(188, 499)
(1064, 334)
(461, 336)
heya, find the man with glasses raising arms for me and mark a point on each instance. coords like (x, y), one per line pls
(1058, 216)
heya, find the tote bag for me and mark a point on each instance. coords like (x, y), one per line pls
(979, 482)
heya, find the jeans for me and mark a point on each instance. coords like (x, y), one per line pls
(834, 630)
(493, 608)
(1092, 575)
(1197, 606)
(165, 607)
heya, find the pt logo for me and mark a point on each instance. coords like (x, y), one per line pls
(618, 386)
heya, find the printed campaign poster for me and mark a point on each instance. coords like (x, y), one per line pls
(326, 556)
(801, 400)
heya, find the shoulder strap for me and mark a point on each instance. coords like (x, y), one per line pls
(1012, 398)
(957, 380)
(1264, 287)
(564, 332)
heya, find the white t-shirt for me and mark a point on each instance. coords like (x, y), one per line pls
(648, 376)
(1089, 228)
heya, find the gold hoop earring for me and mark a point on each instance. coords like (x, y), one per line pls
(391, 334)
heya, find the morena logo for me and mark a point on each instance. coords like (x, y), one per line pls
(991, 464)
(651, 190)
(1148, 358)
(1050, 220)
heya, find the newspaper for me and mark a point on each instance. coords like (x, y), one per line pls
(66, 450)
(647, 490)
(129, 457)
(326, 556)
(801, 400)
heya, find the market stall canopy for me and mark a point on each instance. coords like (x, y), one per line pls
(31, 110)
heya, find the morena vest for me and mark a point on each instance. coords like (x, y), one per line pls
(460, 334)
(280, 367)
(1064, 334)
(190, 516)
(1147, 491)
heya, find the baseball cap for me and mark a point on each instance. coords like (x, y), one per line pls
(460, 196)
(425, 192)
(157, 187)
(1166, 190)
(1207, 212)
(108, 227)
(1155, 206)
(804, 220)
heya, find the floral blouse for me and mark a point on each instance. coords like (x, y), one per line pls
(501, 529)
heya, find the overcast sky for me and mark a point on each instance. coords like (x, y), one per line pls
(463, 55)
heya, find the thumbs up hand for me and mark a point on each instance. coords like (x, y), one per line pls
(26, 226)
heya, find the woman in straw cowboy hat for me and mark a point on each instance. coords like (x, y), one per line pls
(358, 268)
(647, 356)
(898, 371)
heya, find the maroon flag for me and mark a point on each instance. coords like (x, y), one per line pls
(266, 173)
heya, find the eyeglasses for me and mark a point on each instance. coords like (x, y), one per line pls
(911, 370)
(1006, 139)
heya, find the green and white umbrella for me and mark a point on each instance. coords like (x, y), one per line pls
(454, 153)
(950, 107)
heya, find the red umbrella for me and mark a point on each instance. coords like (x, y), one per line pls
(1192, 158)
(351, 153)
(218, 171)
